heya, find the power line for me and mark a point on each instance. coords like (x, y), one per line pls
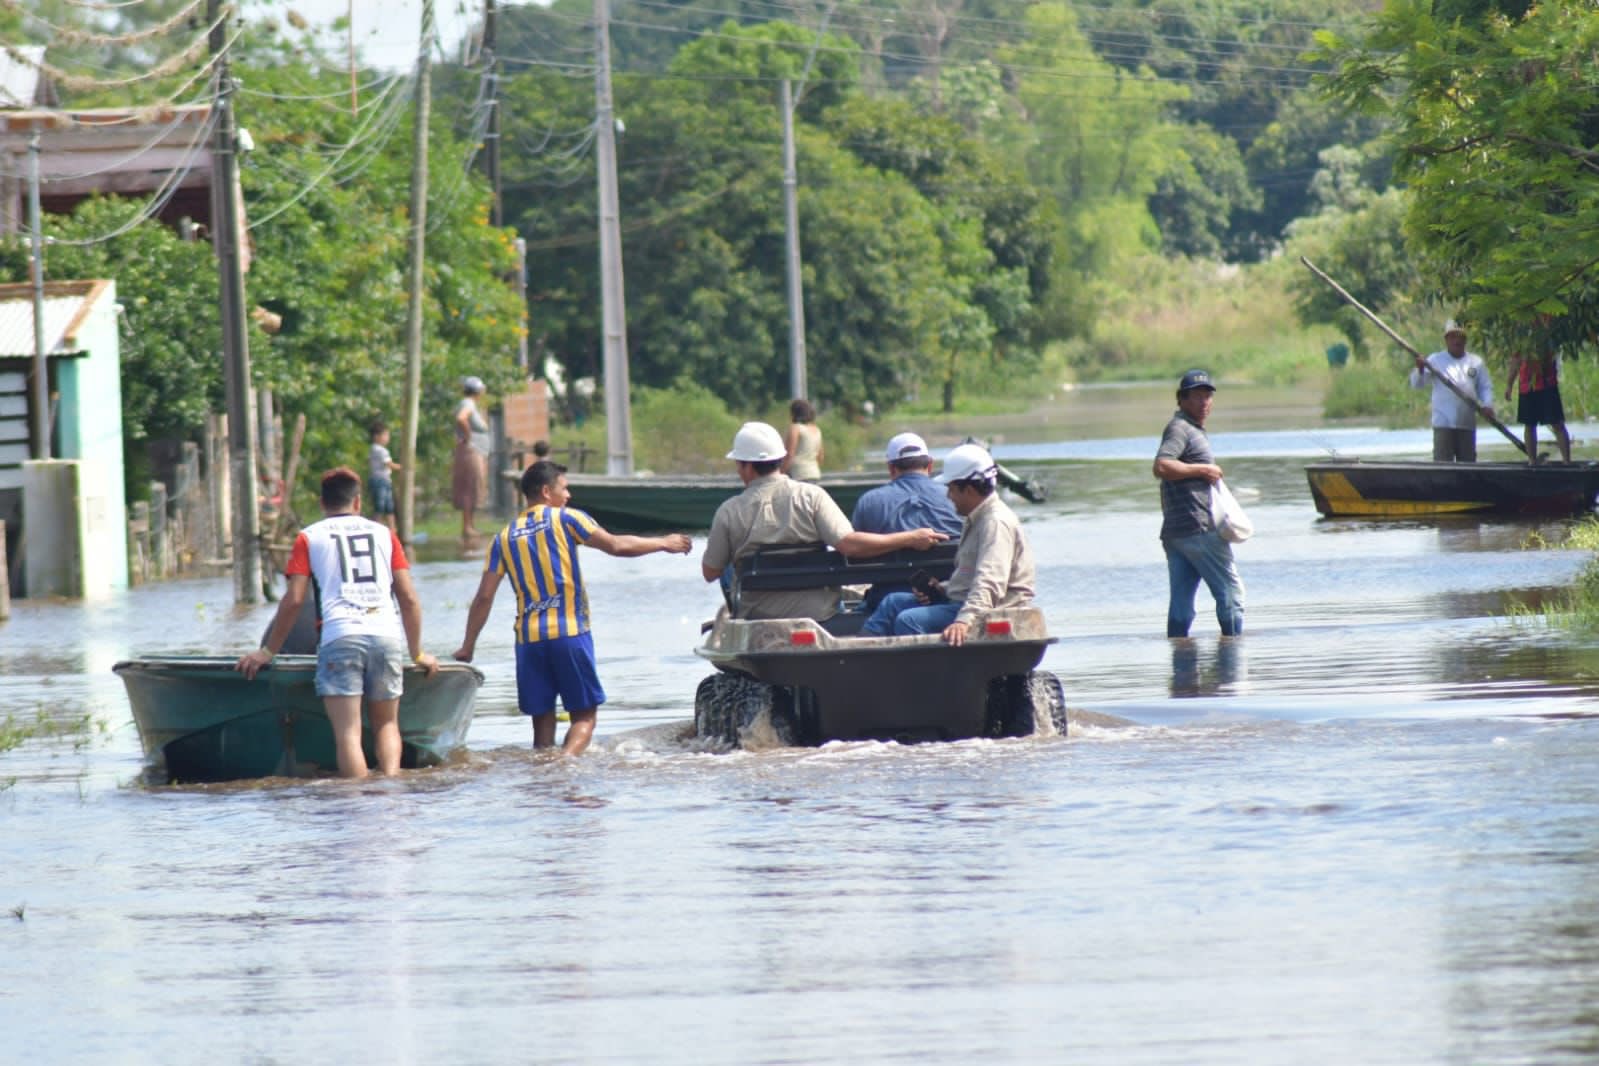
(163, 194)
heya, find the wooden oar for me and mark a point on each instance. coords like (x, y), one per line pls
(1441, 379)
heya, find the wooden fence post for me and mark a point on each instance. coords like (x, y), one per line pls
(5, 578)
(139, 541)
(159, 542)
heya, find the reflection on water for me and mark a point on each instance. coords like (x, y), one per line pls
(1212, 673)
(1364, 832)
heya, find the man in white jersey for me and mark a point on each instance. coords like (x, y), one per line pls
(358, 571)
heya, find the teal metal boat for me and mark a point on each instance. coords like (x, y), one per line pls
(200, 720)
(682, 501)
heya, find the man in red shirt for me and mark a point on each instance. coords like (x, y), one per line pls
(359, 572)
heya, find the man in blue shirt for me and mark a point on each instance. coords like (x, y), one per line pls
(911, 500)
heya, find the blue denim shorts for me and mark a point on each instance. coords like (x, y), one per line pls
(361, 665)
(382, 495)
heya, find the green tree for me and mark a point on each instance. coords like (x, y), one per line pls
(1496, 124)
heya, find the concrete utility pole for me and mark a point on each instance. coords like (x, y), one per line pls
(618, 408)
(227, 237)
(491, 138)
(406, 502)
(796, 295)
(41, 365)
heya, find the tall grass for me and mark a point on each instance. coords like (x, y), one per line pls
(1162, 316)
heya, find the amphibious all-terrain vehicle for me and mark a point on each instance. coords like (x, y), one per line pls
(810, 682)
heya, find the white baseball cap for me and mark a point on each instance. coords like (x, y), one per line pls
(906, 446)
(968, 463)
(1452, 326)
(757, 442)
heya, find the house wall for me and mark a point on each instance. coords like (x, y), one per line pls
(89, 427)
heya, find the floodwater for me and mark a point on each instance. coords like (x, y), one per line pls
(1366, 832)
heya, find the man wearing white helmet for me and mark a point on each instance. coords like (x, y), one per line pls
(774, 509)
(910, 500)
(993, 566)
(1454, 420)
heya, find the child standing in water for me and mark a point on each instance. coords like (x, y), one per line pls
(381, 482)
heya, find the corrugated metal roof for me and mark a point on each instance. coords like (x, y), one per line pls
(65, 304)
(19, 78)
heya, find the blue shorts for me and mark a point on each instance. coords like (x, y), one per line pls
(361, 665)
(382, 495)
(561, 666)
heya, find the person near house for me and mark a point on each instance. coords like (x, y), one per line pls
(470, 465)
(554, 645)
(993, 565)
(802, 458)
(775, 509)
(1195, 550)
(910, 500)
(371, 622)
(1454, 420)
(380, 480)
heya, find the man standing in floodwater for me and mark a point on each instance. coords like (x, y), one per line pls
(554, 648)
(1195, 550)
(370, 614)
(1454, 420)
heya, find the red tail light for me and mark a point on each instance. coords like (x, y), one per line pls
(802, 638)
(999, 628)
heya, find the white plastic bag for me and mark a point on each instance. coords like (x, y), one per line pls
(1231, 521)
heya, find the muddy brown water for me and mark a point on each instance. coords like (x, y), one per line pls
(1366, 832)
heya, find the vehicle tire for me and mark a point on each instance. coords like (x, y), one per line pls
(739, 711)
(1025, 705)
(764, 715)
(714, 702)
(1048, 700)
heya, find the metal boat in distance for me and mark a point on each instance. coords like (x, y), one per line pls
(1354, 488)
(200, 720)
(657, 503)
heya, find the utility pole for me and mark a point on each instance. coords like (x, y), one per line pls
(41, 366)
(491, 139)
(349, 25)
(618, 409)
(406, 502)
(796, 296)
(227, 237)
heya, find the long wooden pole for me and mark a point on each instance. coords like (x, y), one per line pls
(1470, 400)
(613, 312)
(405, 500)
(227, 235)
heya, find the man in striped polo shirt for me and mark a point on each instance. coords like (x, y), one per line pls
(554, 648)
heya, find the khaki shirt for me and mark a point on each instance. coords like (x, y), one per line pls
(775, 510)
(993, 565)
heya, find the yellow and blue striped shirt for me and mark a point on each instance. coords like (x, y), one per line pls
(538, 551)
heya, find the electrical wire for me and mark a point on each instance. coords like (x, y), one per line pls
(72, 35)
(163, 194)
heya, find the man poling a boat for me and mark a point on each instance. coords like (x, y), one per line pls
(1454, 415)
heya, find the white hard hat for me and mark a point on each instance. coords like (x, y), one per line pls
(968, 463)
(757, 442)
(906, 446)
(1451, 326)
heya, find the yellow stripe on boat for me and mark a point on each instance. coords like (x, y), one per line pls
(1344, 499)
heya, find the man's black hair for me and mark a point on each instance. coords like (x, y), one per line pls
(913, 462)
(340, 487)
(535, 477)
(983, 485)
(766, 466)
